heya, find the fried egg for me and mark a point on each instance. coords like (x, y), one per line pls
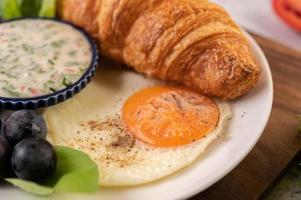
(136, 129)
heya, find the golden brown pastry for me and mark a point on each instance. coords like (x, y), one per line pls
(194, 42)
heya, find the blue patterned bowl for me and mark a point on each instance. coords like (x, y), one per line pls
(60, 95)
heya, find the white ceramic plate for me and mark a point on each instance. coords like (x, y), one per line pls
(250, 115)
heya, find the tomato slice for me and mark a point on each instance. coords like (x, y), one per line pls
(289, 11)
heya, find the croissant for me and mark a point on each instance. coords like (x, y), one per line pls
(194, 42)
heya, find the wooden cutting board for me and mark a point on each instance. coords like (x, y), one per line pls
(278, 146)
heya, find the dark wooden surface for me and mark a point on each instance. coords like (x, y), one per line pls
(259, 171)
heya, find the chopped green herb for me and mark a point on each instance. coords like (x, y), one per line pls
(11, 91)
(49, 86)
(51, 62)
(16, 59)
(72, 53)
(58, 43)
(82, 69)
(42, 46)
(27, 48)
(14, 67)
(9, 75)
(4, 81)
(73, 63)
(41, 71)
(4, 59)
(33, 68)
(52, 89)
(66, 82)
(13, 39)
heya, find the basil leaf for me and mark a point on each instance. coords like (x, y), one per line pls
(30, 187)
(75, 172)
(48, 8)
(1, 10)
(9, 9)
(27, 8)
(30, 8)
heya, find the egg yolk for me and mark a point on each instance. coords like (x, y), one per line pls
(165, 116)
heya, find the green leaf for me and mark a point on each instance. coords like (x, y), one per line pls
(1, 10)
(27, 8)
(48, 8)
(30, 187)
(30, 8)
(75, 172)
(9, 9)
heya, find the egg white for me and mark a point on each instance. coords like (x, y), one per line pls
(91, 122)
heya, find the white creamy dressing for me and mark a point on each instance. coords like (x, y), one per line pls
(39, 57)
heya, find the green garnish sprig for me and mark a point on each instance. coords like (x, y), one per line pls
(10, 9)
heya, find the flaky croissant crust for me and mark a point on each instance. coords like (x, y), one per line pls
(194, 42)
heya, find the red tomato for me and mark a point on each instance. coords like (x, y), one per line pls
(289, 11)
